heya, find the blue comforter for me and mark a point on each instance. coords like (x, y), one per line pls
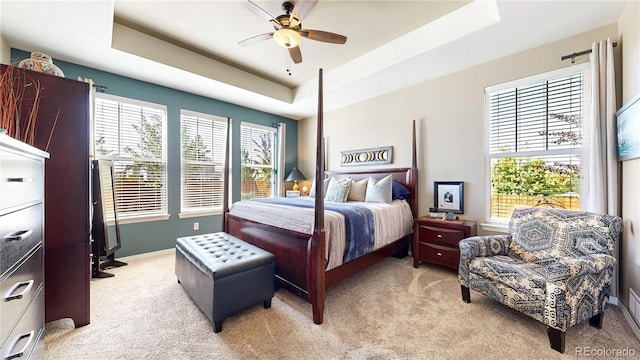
(359, 224)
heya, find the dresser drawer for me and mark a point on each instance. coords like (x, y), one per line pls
(441, 255)
(440, 236)
(20, 231)
(19, 289)
(21, 179)
(27, 335)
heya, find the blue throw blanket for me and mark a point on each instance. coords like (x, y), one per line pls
(359, 224)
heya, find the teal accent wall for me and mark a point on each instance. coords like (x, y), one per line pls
(157, 235)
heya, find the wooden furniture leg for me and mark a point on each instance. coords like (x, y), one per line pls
(596, 321)
(556, 339)
(466, 294)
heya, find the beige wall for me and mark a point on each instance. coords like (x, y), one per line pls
(450, 118)
(5, 51)
(629, 34)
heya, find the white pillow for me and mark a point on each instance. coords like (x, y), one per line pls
(379, 191)
(358, 190)
(338, 190)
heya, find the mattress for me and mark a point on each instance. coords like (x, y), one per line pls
(346, 238)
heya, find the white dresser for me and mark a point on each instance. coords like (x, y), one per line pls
(21, 250)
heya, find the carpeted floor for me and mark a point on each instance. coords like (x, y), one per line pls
(390, 311)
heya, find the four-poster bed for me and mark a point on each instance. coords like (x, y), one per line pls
(301, 259)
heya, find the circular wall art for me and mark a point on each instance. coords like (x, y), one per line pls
(382, 155)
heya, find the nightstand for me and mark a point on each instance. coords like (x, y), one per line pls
(436, 241)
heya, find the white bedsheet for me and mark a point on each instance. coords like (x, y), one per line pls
(392, 222)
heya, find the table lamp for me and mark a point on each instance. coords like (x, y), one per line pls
(294, 176)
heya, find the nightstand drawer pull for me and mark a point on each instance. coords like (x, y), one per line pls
(439, 235)
(439, 254)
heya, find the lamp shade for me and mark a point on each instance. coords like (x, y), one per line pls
(295, 175)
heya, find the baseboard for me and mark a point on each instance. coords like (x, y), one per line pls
(146, 255)
(632, 324)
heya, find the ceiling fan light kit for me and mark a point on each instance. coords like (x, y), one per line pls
(288, 27)
(287, 38)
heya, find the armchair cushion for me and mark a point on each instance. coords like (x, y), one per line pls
(565, 268)
(540, 234)
(527, 279)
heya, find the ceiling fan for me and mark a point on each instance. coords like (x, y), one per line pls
(288, 27)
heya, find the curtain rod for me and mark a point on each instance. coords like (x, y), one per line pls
(100, 88)
(574, 55)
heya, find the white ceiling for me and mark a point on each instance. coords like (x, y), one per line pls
(192, 45)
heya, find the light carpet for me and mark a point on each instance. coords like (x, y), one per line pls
(389, 311)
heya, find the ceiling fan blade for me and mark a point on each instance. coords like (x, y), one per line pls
(300, 11)
(296, 55)
(256, 39)
(323, 36)
(260, 12)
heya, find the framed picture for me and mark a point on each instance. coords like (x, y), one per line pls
(628, 127)
(449, 196)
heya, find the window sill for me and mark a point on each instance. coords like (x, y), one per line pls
(140, 219)
(500, 227)
(192, 214)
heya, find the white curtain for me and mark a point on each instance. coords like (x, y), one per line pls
(282, 135)
(600, 133)
(601, 179)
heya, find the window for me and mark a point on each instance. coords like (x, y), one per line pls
(257, 162)
(202, 156)
(132, 134)
(535, 142)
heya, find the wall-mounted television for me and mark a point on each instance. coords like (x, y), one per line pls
(628, 129)
(105, 228)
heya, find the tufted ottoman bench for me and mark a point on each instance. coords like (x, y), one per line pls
(224, 275)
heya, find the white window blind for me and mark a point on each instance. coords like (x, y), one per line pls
(132, 135)
(203, 139)
(257, 162)
(534, 144)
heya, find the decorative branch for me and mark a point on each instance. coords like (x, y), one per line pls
(13, 85)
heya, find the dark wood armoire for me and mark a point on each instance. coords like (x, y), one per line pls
(63, 131)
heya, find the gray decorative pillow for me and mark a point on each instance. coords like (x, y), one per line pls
(312, 192)
(358, 190)
(379, 191)
(338, 190)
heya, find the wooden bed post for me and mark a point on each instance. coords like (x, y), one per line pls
(414, 159)
(225, 177)
(414, 173)
(316, 250)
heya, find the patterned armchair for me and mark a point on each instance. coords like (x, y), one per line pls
(555, 266)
